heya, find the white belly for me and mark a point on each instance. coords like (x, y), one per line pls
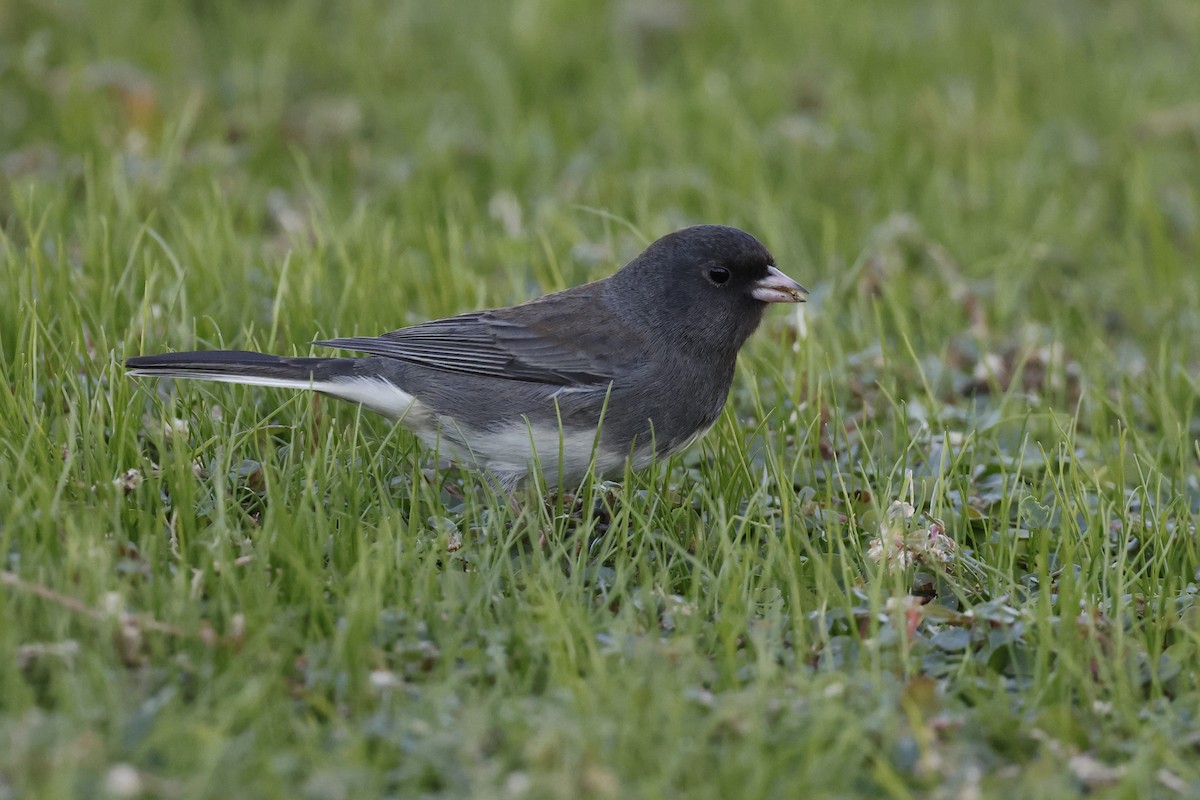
(511, 454)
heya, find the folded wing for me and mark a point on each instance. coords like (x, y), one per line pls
(564, 339)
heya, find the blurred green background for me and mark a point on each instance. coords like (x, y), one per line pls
(215, 591)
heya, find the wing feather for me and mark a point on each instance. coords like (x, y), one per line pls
(563, 339)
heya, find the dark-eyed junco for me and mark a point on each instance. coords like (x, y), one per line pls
(633, 367)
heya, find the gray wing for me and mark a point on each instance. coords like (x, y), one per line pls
(562, 339)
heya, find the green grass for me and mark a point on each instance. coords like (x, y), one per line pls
(996, 206)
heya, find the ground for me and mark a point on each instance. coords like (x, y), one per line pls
(942, 543)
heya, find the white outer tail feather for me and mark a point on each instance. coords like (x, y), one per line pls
(380, 396)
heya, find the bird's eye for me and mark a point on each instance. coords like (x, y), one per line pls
(718, 275)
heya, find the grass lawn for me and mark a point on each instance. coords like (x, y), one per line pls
(942, 543)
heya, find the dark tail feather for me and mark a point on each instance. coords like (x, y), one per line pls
(346, 378)
(242, 366)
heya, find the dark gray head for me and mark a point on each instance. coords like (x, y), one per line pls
(705, 286)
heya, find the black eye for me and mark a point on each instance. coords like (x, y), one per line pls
(718, 275)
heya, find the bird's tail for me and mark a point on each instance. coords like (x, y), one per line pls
(344, 378)
(242, 366)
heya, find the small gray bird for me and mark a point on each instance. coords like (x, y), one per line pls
(630, 368)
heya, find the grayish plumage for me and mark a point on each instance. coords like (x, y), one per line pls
(652, 346)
